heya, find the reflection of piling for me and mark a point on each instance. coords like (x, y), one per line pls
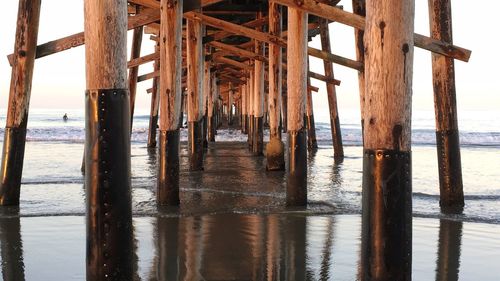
(387, 205)
(170, 103)
(19, 96)
(107, 143)
(447, 139)
(11, 245)
(338, 149)
(297, 87)
(295, 249)
(275, 151)
(167, 243)
(450, 240)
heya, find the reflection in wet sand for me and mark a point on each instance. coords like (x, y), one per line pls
(448, 260)
(11, 244)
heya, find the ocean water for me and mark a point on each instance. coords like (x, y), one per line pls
(53, 184)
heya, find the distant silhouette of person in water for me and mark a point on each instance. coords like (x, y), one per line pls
(65, 117)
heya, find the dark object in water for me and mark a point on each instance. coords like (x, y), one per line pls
(65, 117)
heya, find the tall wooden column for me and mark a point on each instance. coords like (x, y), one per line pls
(19, 96)
(387, 188)
(230, 104)
(359, 8)
(251, 118)
(275, 149)
(338, 149)
(297, 86)
(312, 143)
(211, 108)
(207, 88)
(134, 71)
(258, 100)
(445, 105)
(170, 102)
(244, 115)
(107, 142)
(155, 104)
(195, 96)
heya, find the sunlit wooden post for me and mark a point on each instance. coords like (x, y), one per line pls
(211, 108)
(194, 37)
(170, 102)
(445, 104)
(275, 149)
(251, 109)
(107, 142)
(359, 8)
(155, 104)
(19, 96)
(338, 149)
(207, 88)
(134, 71)
(297, 86)
(244, 115)
(312, 143)
(387, 187)
(258, 100)
(230, 100)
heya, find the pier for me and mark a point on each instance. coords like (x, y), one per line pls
(243, 64)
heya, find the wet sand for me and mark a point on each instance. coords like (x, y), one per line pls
(289, 246)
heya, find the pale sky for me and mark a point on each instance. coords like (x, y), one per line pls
(59, 80)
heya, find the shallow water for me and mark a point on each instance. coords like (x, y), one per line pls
(246, 247)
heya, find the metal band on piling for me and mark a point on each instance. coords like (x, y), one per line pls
(12, 165)
(450, 171)
(296, 190)
(387, 224)
(195, 145)
(258, 136)
(107, 184)
(168, 169)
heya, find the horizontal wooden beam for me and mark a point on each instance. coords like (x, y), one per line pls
(323, 78)
(143, 60)
(234, 28)
(148, 76)
(219, 35)
(145, 17)
(335, 58)
(238, 64)
(356, 21)
(237, 51)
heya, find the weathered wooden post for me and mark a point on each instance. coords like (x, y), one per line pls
(359, 8)
(244, 115)
(445, 105)
(170, 102)
(338, 149)
(155, 105)
(207, 85)
(312, 143)
(275, 149)
(107, 142)
(19, 96)
(296, 194)
(194, 36)
(387, 188)
(134, 71)
(258, 99)
(230, 104)
(251, 118)
(211, 108)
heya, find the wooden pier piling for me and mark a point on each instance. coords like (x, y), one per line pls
(155, 104)
(134, 71)
(275, 149)
(296, 192)
(170, 102)
(387, 188)
(107, 142)
(258, 101)
(312, 143)
(338, 149)
(19, 97)
(194, 34)
(445, 105)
